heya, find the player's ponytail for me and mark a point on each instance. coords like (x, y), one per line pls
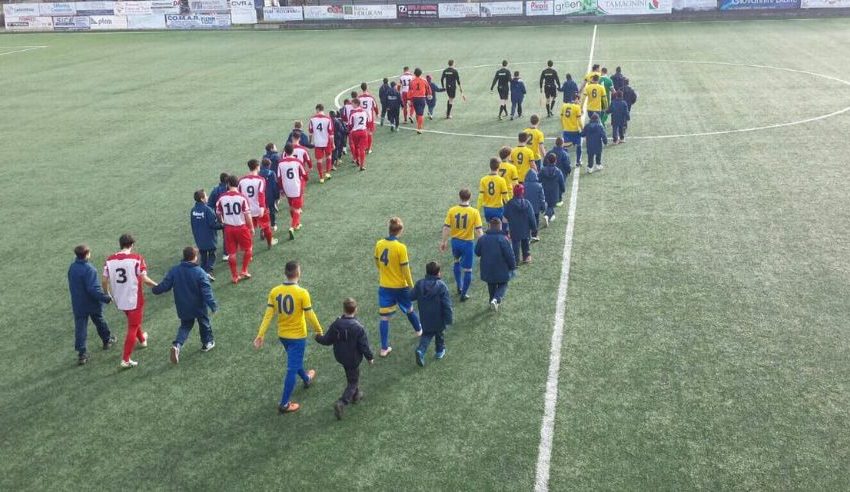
(395, 226)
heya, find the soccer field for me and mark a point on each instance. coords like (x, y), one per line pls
(705, 340)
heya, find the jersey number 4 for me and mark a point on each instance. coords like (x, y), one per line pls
(385, 257)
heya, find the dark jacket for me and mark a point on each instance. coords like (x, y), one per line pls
(517, 90)
(534, 192)
(382, 93)
(562, 161)
(340, 132)
(274, 157)
(393, 100)
(435, 305)
(205, 226)
(619, 81)
(570, 89)
(630, 96)
(272, 193)
(304, 141)
(553, 183)
(594, 137)
(86, 295)
(349, 339)
(497, 257)
(216, 192)
(520, 215)
(192, 291)
(434, 90)
(619, 110)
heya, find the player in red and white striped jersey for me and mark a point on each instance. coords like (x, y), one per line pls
(404, 82)
(292, 178)
(253, 186)
(368, 103)
(322, 136)
(235, 213)
(358, 133)
(123, 276)
(299, 151)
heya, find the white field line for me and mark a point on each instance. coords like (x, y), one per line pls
(20, 49)
(550, 401)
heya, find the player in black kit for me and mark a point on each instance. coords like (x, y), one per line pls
(549, 83)
(450, 80)
(503, 79)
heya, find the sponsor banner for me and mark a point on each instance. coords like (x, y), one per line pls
(283, 14)
(132, 8)
(758, 4)
(95, 8)
(108, 22)
(825, 4)
(197, 21)
(459, 10)
(165, 6)
(21, 10)
(149, 21)
(418, 11)
(79, 23)
(29, 23)
(365, 12)
(635, 7)
(539, 7)
(64, 9)
(501, 9)
(575, 7)
(203, 6)
(243, 12)
(694, 5)
(323, 12)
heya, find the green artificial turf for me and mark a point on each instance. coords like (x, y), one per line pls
(705, 339)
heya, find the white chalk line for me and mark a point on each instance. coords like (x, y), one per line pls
(21, 50)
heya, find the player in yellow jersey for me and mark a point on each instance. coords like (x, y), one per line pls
(508, 171)
(596, 96)
(463, 224)
(571, 124)
(294, 309)
(535, 141)
(594, 70)
(395, 282)
(522, 157)
(492, 192)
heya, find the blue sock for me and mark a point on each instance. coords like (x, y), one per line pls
(303, 374)
(288, 387)
(467, 280)
(414, 321)
(385, 333)
(457, 276)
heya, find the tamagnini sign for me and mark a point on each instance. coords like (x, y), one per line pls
(635, 7)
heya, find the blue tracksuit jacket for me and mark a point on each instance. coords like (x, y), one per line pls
(619, 110)
(86, 295)
(517, 90)
(553, 183)
(497, 257)
(192, 291)
(205, 226)
(570, 89)
(594, 137)
(520, 215)
(435, 305)
(216, 192)
(272, 193)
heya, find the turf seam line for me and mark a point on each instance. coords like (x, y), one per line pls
(547, 426)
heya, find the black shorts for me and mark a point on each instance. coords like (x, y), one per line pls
(550, 91)
(503, 92)
(451, 91)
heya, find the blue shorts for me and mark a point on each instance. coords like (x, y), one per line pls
(464, 252)
(419, 105)
(489, 213)
(389, 298)
(573, 137)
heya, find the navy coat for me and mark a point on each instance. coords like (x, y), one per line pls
(393, 99)
(192, 291)
(435, 305)
(570, 89)
(272, 193)
(517, 90)
(349, 340)
(534, 192)
(619, 110)
(86, 295)
(520, 215)
(594, 137)
(274, 157)
(215, 193)
(382, 93)
(497, 257)
(563, 160)
(553, 183)
(205, 226)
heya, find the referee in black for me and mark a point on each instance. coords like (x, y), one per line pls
(503, 78)
(450, 81)
(549, 83)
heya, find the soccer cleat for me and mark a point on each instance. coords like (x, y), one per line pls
(109, 343)
(419, 132)
(430, 117)
(174, 354)
(298, 227)
(385, 352)
(560, 204)
(234, 280)
(322, 180)
(500, 117)
(212, 279)
(369, 151)
(225, 257)
(82, 359)
(208, 346)
(362, 169)
(392, 128)
(328, 176)
(339, 409)
(599, 167)
(290, 407)
(128, 364)
(273, 242)
(590, 170)
(291, 234)
(545, 221)
(551, 219)
(274, 228)
(417, 333)
(244, 276)
(357, 396)
(494, 304)
(526, 260)
(448, 116)
(535, 239)
(464, 297)
(144, 342)
(420, 358)
(311, 378)
(441, 354)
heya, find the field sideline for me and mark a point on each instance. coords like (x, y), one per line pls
(705, 332)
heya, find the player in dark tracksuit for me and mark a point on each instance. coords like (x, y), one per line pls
(503, 80)
(450, 81)
(382, 96)
(549, 83)
(340, 136)
(393, 106)
(272, 193)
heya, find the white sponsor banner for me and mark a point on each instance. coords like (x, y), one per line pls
(539, 7)
(132, 8)
(57, 9)
(165, 6)
(20, 10)
(362, 12)
(197, 21)
(635, 7)
(500, 9)
(572, 7)
(323, 12)
(243, 12)
(283, 14)
(825, 4)
(208, 6)
(95, 8)
(29, 23)
(78, 23)
(107, 22)
(459, 10)
(150, 21)
(694, 4)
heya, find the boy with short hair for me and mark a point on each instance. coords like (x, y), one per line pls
(393, 107)
(272, 192)
(554, 187)
(340, 138)
(520, 216)
(594, 140)
(351, 345)
(205, 227)
(534, 195)
(522, 156)
(435, 311)
(507, 170)
(87, 300)
(620, 117)
(535, 140)
(517, 95)
(562, 158)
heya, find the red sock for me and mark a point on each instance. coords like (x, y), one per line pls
(134, 332)
(296, 218)
(231, 262)
(267, 232)
(246, 260)
(419, 121)
(320, 168)
(369, 141)
(293, 222)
